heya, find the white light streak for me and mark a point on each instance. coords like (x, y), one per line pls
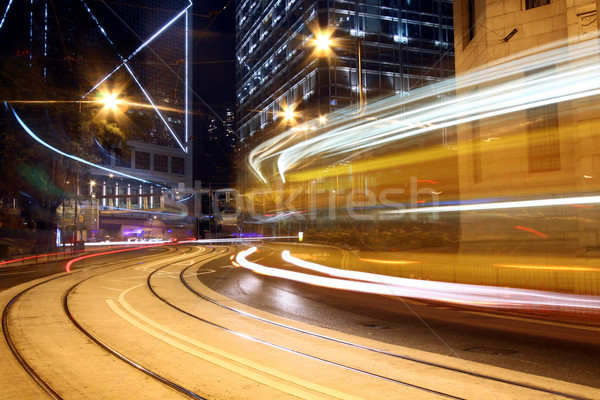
(577, 75)
(502, 205)
(472, 295)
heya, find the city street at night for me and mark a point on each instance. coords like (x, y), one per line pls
(183, 321)
(283, 199)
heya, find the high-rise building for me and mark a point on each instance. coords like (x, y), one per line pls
(288, 86)
(126, 64)
(397, 45)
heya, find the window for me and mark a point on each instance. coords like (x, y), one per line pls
(124, 159)
(177, 165)
(161, 163)
(142, 160)
(529, 4)
(472, 18)
(544, 143)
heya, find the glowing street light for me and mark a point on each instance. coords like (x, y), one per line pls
(323, 44)
(111, 102)
(288, 113)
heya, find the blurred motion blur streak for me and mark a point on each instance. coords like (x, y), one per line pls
(500, 160)
(471, 295)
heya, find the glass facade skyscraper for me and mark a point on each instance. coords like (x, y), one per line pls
(291, 95)
(401, 44)
(123, 68)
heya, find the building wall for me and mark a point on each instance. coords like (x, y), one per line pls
(497, 159)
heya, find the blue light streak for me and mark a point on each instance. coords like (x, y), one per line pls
(5, 12)
(71, 156)
(187, 198)
(104, 150)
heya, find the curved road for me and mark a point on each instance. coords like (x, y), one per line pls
(182, 322)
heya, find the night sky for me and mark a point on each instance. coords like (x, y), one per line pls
(214, 53)
(213, 85)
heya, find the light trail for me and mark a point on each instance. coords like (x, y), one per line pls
(502, 205)
(390, 262)
(69, 265)
(567, 268)
(5, 13)
(455, 293)
(71, 156)
(391, 120)
(97, 102)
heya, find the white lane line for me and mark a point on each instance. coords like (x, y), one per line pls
(198, 349)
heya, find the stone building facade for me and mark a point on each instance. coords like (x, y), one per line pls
(544, 154)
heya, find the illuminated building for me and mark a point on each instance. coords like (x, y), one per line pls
(376, 49)
(404, 45)
(541, 152)
(137, 54)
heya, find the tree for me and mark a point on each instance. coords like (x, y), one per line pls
(38, 178)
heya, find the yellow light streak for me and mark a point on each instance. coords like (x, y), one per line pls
(391, 262)
(100, 102)
(550, 267)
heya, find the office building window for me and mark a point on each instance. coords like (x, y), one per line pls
(177, 165)
(529, 4)
(124, 159)
(472, 18)
(161, 163)
(142, 160)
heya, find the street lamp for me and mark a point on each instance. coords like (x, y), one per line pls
(288, 113)
(323, 44)
(110, 100)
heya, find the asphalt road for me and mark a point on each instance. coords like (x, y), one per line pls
(544, 348)
(14, 274)
(541, 347)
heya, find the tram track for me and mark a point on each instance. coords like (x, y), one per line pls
(273, 345)
(240, 327)
(453, 369)
(106, 268)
